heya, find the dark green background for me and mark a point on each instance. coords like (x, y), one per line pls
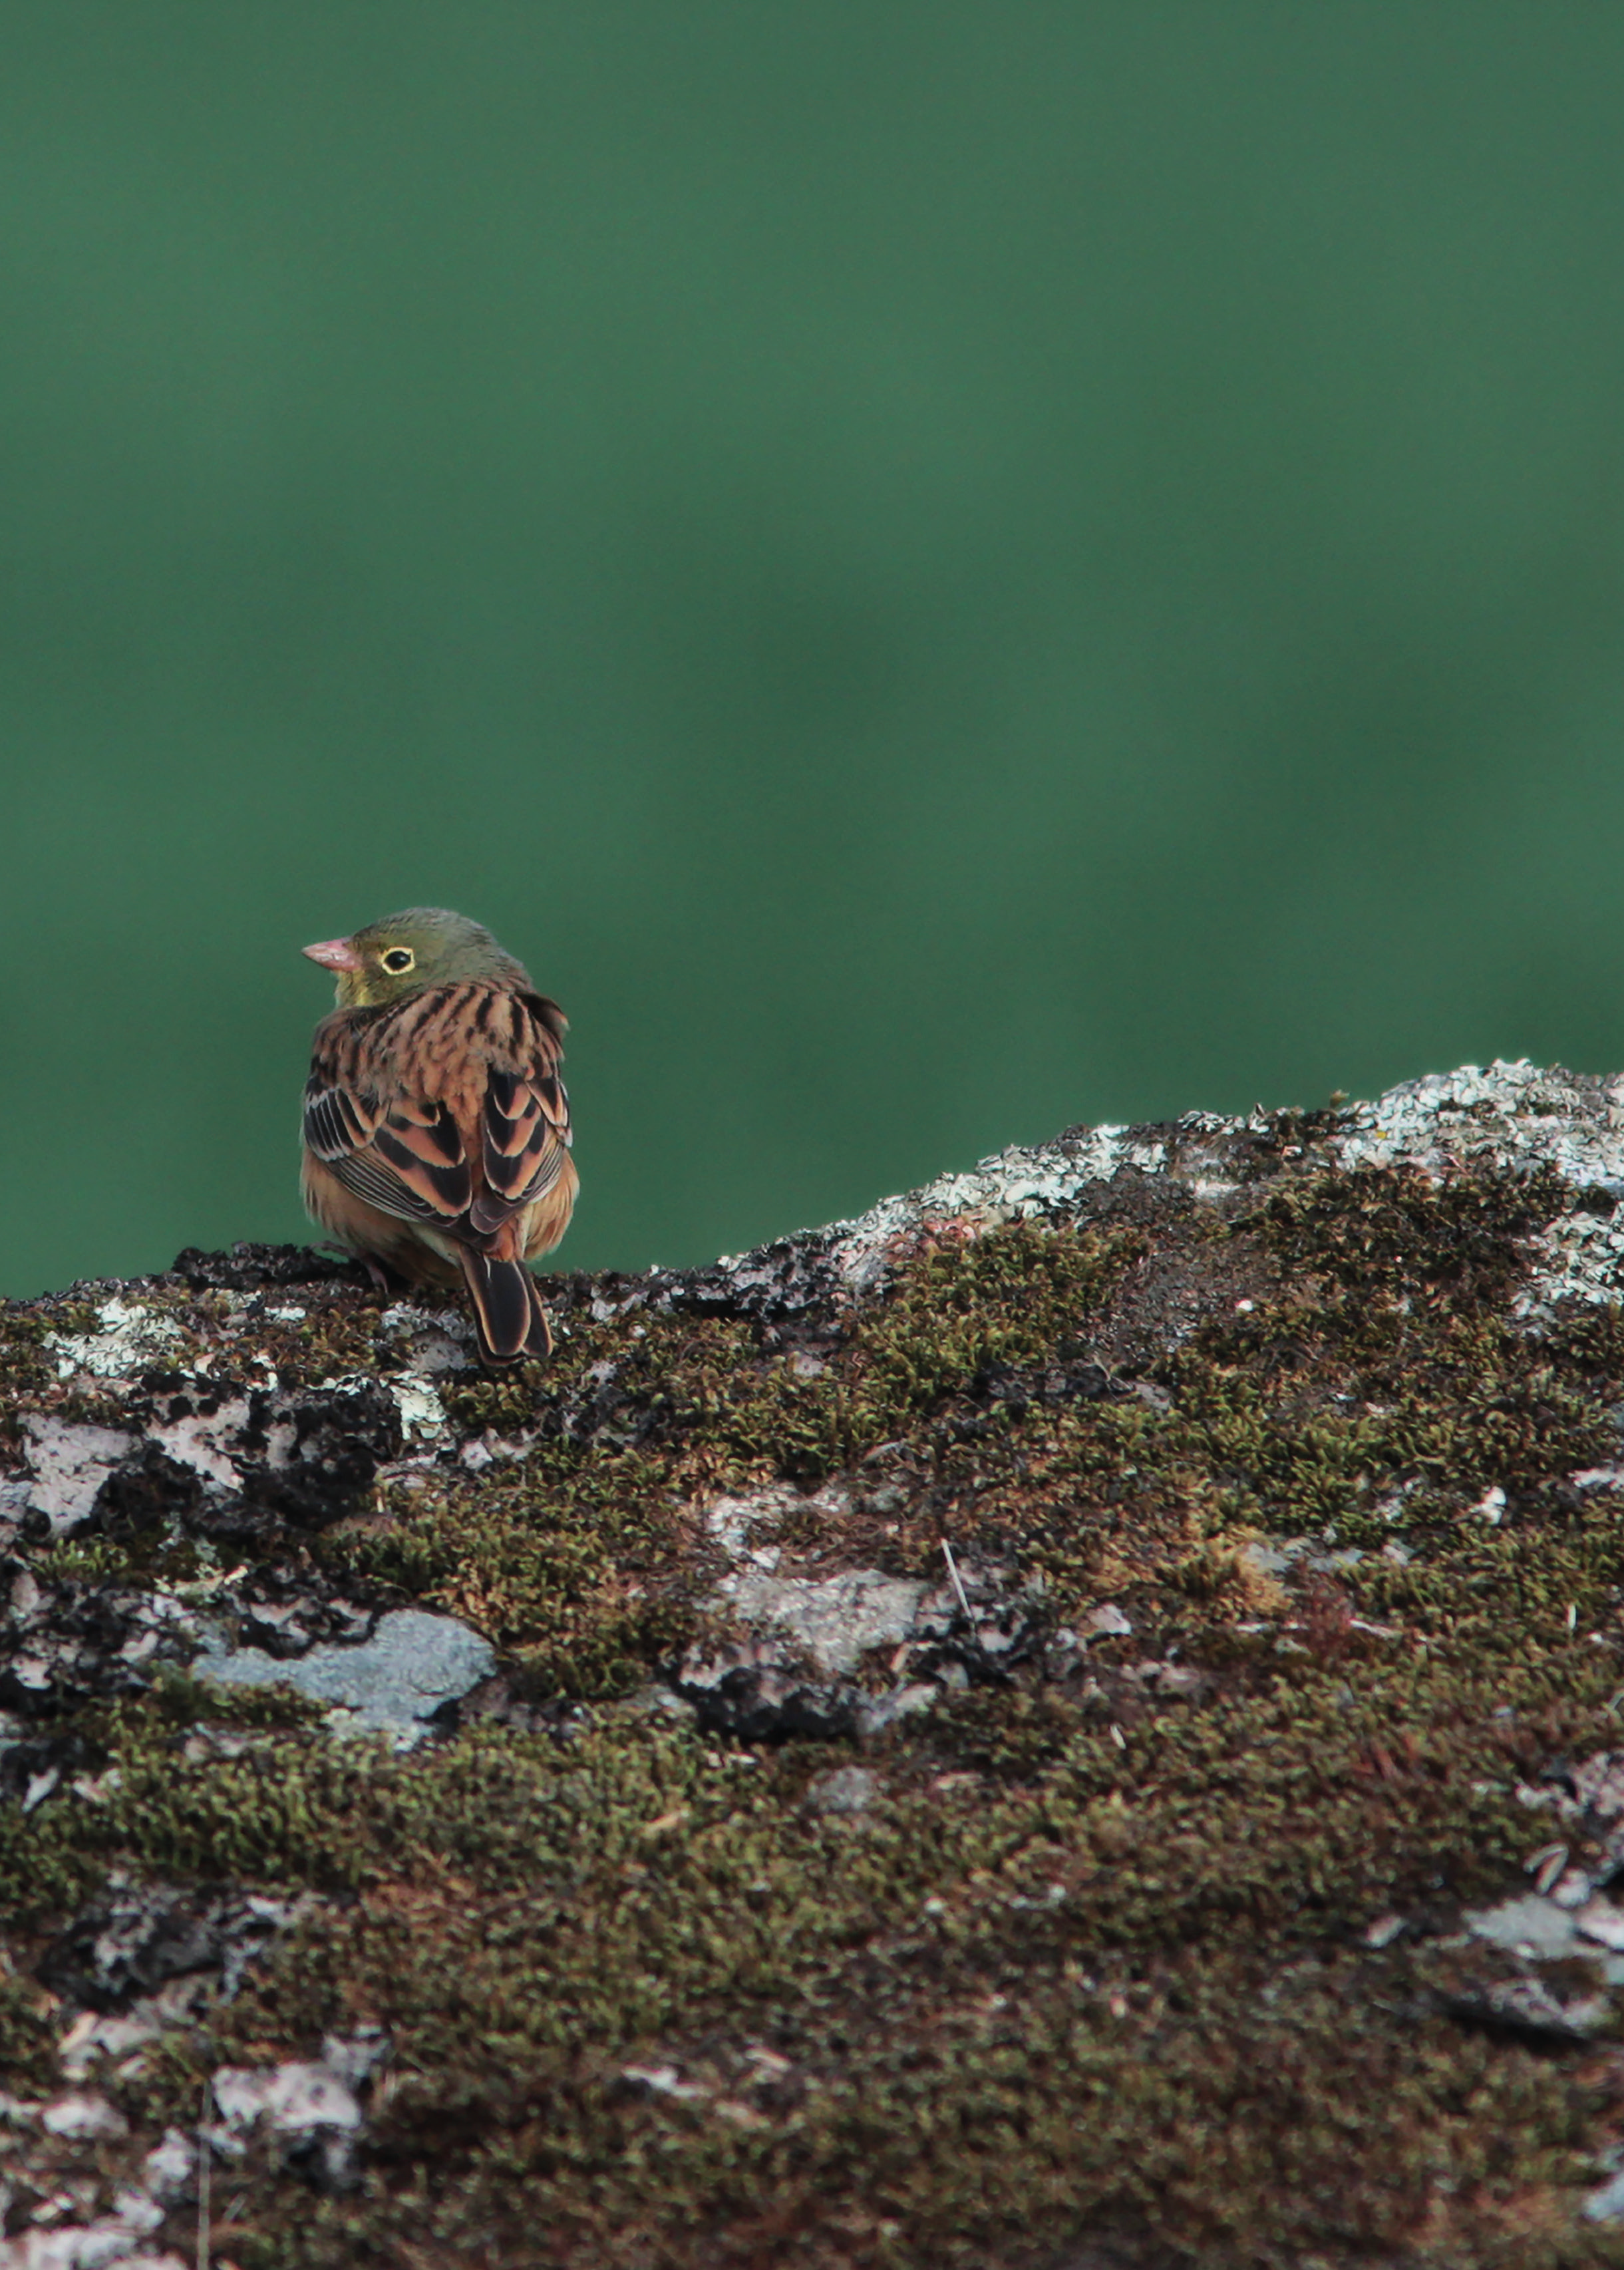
(938, 570)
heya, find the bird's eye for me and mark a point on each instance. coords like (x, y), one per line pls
(398, 960)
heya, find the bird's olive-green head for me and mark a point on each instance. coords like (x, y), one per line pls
(424, 946)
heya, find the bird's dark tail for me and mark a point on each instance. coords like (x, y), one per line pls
(508, 1312)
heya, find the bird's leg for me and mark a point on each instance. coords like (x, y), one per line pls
(380, 1278)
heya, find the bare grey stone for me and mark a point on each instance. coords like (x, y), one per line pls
(413, 1665)
(1598, 1784)
(1600, 1920)
(848, 1789)
(836, 1619)
(294, 2097)
(874, 1713)
(68, 1462)
(1606, 2204)
(1527, 1926)
(168, 2171)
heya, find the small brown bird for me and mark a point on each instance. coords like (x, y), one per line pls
(436, 1128)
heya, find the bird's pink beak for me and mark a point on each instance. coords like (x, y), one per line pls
(334, 954)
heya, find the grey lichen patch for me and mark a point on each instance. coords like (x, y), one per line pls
(67, 1464)
(1073, 1718)
(835, 1620)
(395, 1683)
(125, 1337)
(1040, 1183)
(1516, 1117)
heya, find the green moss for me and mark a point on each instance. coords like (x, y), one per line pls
(47, 1864)
(580, 1576)
(26, 1369)
(178, 1701)
(989, 2015)
(157, 1554)
(338, 1334)
(1021, 1297)
(27, 2038)
(582, 1559)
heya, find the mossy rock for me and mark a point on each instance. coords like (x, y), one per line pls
(1279, 1467)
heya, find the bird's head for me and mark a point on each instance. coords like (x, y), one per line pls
(424, 946)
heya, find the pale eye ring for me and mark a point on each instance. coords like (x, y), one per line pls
(398, 960)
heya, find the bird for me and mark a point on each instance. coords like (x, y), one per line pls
(436, 1128)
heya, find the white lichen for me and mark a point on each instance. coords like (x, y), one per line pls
(433, 1341)
(422, 1414)
(1515, 1116)
(128, 1338)
(834, 1620)
(1021, 1184)
(67, 1464)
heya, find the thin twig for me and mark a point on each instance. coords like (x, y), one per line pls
(958, 1581)
(203, 2182)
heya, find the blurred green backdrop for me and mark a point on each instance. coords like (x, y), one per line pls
(938, 571)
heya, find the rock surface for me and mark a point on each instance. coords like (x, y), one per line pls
(1073, 1720)
(395, 1683)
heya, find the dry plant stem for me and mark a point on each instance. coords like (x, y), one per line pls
(202, 2181)
(958, 1581)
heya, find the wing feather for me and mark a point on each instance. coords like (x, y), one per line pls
(365, 1176)
(526, 1135)
(447, 1109)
